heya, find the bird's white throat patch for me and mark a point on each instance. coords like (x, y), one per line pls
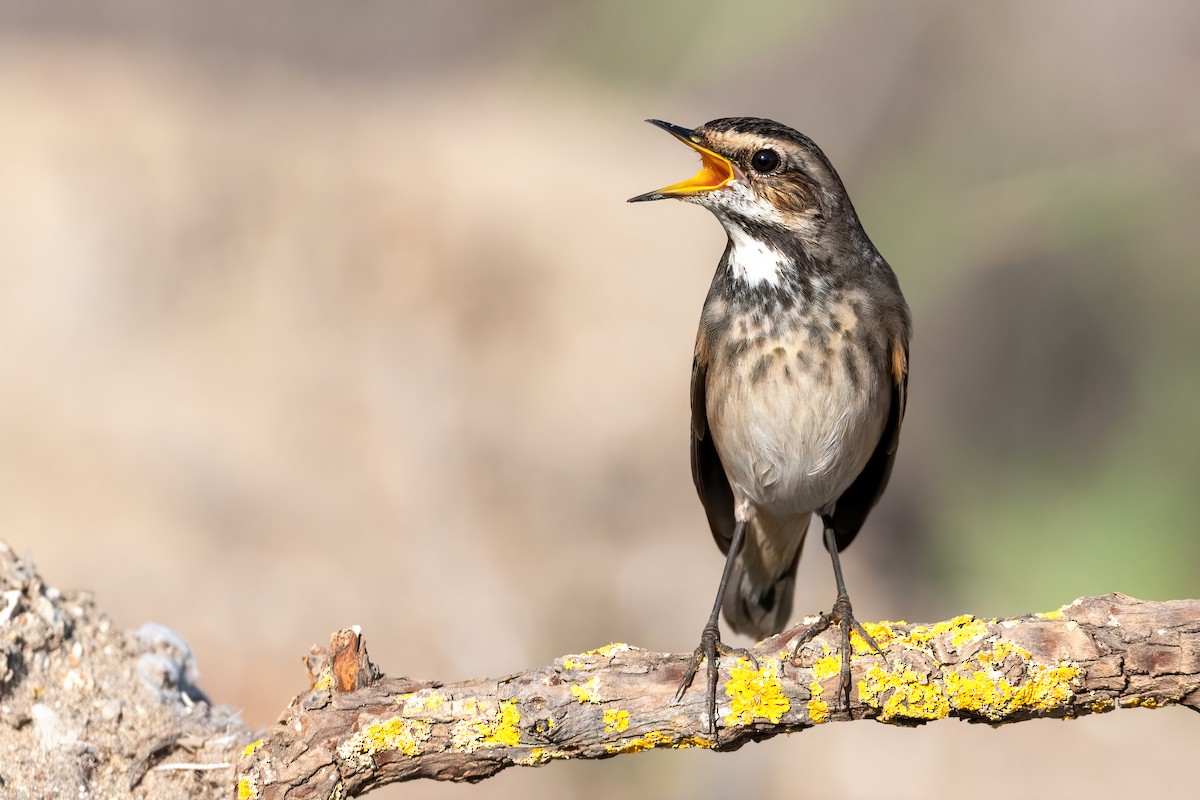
(752, 261)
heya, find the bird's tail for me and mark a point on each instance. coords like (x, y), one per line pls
(758, 599)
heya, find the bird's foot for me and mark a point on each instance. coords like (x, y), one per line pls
(709, 650)
(843, 616)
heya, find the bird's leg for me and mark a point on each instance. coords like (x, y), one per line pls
(843, 615)
(710, 638)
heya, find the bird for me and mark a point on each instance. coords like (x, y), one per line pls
(799, 378)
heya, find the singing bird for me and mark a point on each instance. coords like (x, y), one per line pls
(798, 379)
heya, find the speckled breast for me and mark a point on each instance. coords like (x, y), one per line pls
(796, 397)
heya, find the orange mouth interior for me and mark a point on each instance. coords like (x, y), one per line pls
(715, 172)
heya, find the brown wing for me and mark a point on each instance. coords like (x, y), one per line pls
(707, 470)
(856, 502)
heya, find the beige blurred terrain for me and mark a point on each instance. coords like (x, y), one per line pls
(316, 315)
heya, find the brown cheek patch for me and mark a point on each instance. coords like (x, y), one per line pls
(792, 195)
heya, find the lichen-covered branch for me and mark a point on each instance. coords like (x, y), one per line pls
(91, 708)
(354, 730)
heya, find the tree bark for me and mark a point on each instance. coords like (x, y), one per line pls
(89, 708)
(354, 730)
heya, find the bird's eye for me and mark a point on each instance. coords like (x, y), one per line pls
(764, 160)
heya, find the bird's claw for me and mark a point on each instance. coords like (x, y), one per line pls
(709, 651)
(843, 616)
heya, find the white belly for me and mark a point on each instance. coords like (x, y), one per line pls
(794, 441)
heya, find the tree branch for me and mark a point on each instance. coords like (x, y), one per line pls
(87, 704)
(354, 730)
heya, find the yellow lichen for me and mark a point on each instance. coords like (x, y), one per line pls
(968, 630)
(655, 739)
(616, 720)
(588, 692)
(499, 729)
(987, 691)
(818, 710)
(980, 685)
(508, 731)
(962, 629)
(881, 632)
(607, 650)
(247, 789)
(423, 702)
(1047, 687)
(980, 692)
(1001, 650)
(755, 693)
(324, 681)
(1057, 614)
(908, 695)
(576, 660)
(399, 734)
(1100, 706)
(825, 666)
(538, 756)
(1139, 702)
(249, 749)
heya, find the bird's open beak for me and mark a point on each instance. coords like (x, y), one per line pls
(715, 170)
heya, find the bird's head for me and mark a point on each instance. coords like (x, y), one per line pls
(756, 173)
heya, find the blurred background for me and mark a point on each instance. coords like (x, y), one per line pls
(319, 314)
